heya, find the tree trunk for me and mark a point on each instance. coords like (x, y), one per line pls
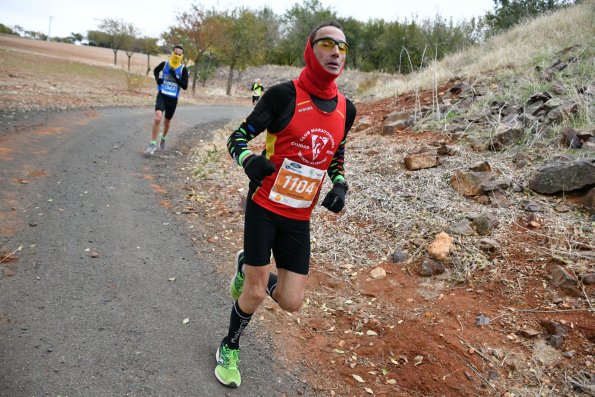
(129, 56)
(115, 56)
(194, 76)
(148, 63)
(204, 81)
(230, 79)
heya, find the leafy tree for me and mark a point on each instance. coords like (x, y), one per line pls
(272, 25)
(98, 39)
(353, 30)
(147, 45)
(298, 23)
(35, 35)
(6, 30)
(196, 31)
(510, 12)
(117, 33)
(76, 37)
(242, 41)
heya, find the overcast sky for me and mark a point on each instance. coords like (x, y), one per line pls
(153, 17)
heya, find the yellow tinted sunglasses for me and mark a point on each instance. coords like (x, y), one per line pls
(328, 43)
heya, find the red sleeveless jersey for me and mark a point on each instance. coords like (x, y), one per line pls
(302, 153)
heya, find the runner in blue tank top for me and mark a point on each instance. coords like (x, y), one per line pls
(170, 76)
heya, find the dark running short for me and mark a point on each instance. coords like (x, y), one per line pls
(166, 103)
(266, 232)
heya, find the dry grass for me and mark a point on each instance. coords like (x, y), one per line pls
(515, 50)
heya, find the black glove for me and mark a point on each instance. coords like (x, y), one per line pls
(159, 81)
(172, 72)
(335, 199)
(257, 167)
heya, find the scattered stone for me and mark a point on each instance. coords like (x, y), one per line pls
(532, 206)
(484, 166)
(482, 320)
(429, 268)
(505, 136)
(570, 139)
(528, 333)
(499, 199)
(395, 126)
(462, 227)
(493, 375)
(378, 273)
(553, 327)
(496, 184)
(426, 268)
(565, 281)
(562, 208)
(561, 113)
(440, 247)
(363, 124)
(559, 88)
(414, 162)
(468, 183)
(489, 245)
(400, 256)
(556, 341)
(447, 150)
(397, 121)
(484, 224)
(396, 116)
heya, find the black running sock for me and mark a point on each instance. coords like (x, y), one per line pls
(272, 284)
(237, 323)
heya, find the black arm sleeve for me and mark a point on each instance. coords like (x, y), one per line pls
(336, 170)
(158, 69)
(183, 82)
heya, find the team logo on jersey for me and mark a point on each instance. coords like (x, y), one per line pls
(314, 146)
(318, 143)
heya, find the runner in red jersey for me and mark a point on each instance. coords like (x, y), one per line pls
(306, 122)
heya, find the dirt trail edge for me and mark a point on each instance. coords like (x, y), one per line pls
(95, 301)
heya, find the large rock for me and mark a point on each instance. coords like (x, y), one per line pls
(506, 136)
(420, 161)
(468, 183)
(563, 176)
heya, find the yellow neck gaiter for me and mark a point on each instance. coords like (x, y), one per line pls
(175, 60)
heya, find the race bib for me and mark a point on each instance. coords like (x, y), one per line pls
(296, 184)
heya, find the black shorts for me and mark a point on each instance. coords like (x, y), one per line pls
(166, 103)
(255, 98)
(288, 239)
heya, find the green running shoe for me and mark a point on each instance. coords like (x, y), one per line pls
(227, 371)
(237, 282)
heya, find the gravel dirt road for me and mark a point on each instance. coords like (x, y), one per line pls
(94, 302)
